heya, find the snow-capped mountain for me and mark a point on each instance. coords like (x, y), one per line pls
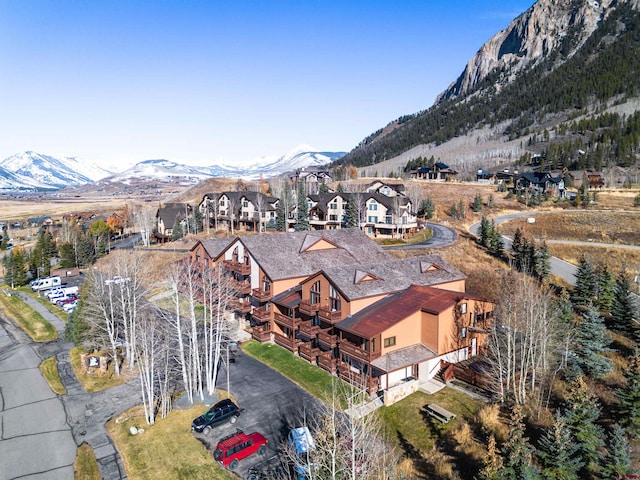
(302, 156)
(34, 171)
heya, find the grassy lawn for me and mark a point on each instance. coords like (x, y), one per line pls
(165, 451)
(314, 380)
(29, 320)
(49, 370)
(86, 466)
(94, 383)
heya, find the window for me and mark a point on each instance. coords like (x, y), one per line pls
(334, 299)
(373, 205)
(245, 204)
(372, 219)
(463, 308)
(388, 219)
(333, 218)
(389, 342)
(315, 292)
(333, 206)
(464, 332)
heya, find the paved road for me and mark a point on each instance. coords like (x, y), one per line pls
(559, 267)
(35, 440)
(442, 236)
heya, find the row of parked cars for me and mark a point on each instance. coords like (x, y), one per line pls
(238, 446)
(64, 297)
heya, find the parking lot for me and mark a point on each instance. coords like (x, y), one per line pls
(272, 406)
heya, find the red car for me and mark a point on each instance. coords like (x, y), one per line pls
(230, 450)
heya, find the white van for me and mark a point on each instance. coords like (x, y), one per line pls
(46, 284)
(301, 444)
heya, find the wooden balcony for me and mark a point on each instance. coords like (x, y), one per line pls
(261, 314)
(308, 330)
(357, 352)
(240, 306)
(327, 362)
(262, 334)
(243, 288)
(308, 308)
(358, 380)
(308, 352)
(290, 344)
(239, 268)
(289, 322)
(261, 295)
(328, 315)
(326, 340)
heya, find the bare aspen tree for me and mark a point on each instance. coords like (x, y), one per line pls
(415, 194)
(260, 209)
(145, 219)
(526, 341)
(358, 198)
(150, 340)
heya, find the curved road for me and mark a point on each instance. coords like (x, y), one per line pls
(441, 237)
(559, 267)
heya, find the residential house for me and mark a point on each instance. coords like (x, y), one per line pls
(328, 210)
(389, 189)
(389, 216)
(528, 183)
(312, 179)
(169, 215)
(244, 211)
(595, 180)
(438, 172)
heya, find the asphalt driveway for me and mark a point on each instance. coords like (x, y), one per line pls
(272, 406)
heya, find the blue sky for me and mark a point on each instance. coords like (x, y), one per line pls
(202, 82)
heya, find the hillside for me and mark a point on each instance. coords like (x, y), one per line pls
(594, 66)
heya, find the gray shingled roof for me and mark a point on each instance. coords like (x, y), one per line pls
(393, 275)
(215, 246)
(403, 357)
(284, 255)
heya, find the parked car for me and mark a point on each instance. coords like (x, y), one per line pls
(66, 299)
(221, 412)
(70, 307)
(230, 450)
(301, 445)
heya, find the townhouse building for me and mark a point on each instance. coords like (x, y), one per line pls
(336, 299)
(244, 211)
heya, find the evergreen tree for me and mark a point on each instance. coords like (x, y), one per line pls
(197, 221)
(606, 290)
(67, 256)
(496, 245)
(485, 231)
(15, 267)
(517, 463)
(352, 214)
(281, 218)
(617, 460)
(323, 188)
(584, 291)
(99, 233)
(629, 396)
(428, 209)
(76, 327)
(622, 311)
(340, 188)
(302, 212)
(591, 343)
(516, 249)
(557, 452)
(176, 231)
(542, 261)
(476, 206)
(42, 253)
(581, 412)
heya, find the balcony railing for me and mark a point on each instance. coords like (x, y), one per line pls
(241, 306)
(326, 340)
(289, 322)
(329, 315)
(308, 352)
(243, 288)
(289, 343)
(308, 330)
(358, 380)
(239, 268)
(262, 334)
(308, 308)
(261, 314)
(327, 362)
(261, 295)
(357, 352)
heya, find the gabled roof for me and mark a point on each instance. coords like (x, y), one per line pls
(390, 203)
(395, 274)
(171, 211)
(389, 311)
(214, 246)
(289, 255)
(289, 298)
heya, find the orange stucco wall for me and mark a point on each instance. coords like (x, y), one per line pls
(407, 332)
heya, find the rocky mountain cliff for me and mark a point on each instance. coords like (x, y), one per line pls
(530, 38)
(560, 62)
